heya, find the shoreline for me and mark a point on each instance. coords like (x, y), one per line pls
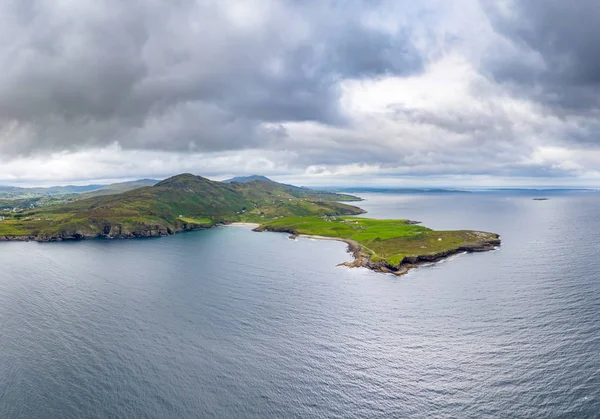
(362, 259)
(143, 234)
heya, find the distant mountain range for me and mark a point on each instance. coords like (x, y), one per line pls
(367, 189)
(15, 192)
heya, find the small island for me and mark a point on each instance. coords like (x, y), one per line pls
(187, 202)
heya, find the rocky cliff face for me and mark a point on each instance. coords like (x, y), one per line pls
(109, 231)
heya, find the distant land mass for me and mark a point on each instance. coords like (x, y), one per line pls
(186, 202)
(20, 192)
(424, 190)
(15, 192)
(367, 189)
(538, 189)
(29, 198)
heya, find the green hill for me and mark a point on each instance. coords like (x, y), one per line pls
(179, 203)
(264, 184)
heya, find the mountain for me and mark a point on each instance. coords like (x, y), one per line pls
(86, 191)
(182, 202)
(116, 188)
(15, 192)
(267, 185)
(28, 198)
(245, 179)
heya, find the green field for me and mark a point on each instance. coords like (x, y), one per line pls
(389, 240)
(199, 221)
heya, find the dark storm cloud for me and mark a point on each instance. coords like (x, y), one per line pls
(552, 54)
(181, 75)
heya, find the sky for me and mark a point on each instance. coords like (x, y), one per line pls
(381, 93)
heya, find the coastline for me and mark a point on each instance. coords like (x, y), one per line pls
(362, 259)
(149, 233)
(116, 233)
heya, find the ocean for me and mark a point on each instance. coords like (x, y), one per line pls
(229, 323)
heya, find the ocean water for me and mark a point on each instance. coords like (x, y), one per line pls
(231, 323)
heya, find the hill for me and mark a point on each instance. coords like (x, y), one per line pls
(29, 198)
(265, 184)
(179, 203)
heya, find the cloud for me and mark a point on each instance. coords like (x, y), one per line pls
(550, 52)
(309, 90)
(183, 75)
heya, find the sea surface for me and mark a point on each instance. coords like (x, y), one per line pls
(229, 323)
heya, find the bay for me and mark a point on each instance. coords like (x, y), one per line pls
(231, 323)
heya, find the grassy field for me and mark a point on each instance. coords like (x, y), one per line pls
(389, 240)
(198, 221)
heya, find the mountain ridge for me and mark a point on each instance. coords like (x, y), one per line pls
(245, 179)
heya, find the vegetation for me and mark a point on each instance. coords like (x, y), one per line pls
(117, 188)
(188, 202)
(14, 192)
(391, 241)
(30, 198)
(183, 202)
(198, 221)
(267, 184)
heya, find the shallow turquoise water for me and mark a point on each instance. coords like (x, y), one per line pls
(231, 323)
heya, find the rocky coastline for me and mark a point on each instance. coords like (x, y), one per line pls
(362, 259)
(109, 231)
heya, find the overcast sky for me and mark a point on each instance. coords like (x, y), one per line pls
(429, 92)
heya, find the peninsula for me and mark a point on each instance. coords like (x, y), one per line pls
(187, 202)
